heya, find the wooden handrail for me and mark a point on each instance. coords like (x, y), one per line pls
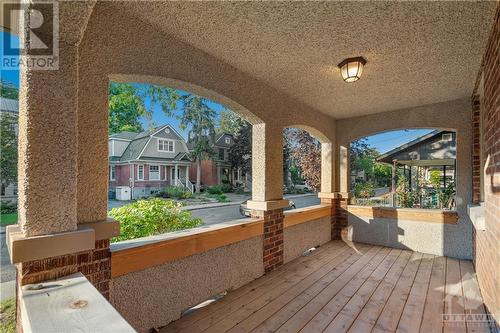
(412, 214)
(302, 215)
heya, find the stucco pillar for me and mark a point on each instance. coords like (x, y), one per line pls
(176, 176)
(267, 165)
(48, 146)
(336, 163)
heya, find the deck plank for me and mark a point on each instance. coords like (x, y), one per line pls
(432, 320)
(350, 288)
(474, 304)
(301, 318)
(371, 311)
(271, 291)
(276, 320)
(308, 286)
(389, 318)
(454, 301)
(255, 288)
(414, 308)
(257, 304)
(349, 312)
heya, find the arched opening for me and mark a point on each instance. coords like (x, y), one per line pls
(171, 144)
(302, 165)
(408, 168)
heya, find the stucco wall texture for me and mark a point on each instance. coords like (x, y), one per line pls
(159, 58)
(158, 295)
(417, 236)
(301, 237)
(455, 115)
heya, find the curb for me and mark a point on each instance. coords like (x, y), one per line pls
(214, 205)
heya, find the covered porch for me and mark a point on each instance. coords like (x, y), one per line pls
(428, 65)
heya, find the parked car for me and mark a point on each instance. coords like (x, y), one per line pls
(245, 211)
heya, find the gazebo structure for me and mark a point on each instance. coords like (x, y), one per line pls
(426, 65)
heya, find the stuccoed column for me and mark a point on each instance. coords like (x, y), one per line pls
(267, 190)
(335, 186)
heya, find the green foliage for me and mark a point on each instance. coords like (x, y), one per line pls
(8, 315)
(217, 189)
(218, 197)
(296, 174)
(230, 122)
(175, 192)
(382, 174)
(7, 219)
(226, 188)
(364, 190)
(435, 178)
(8, 207)
(445, 195)
(406, 197)
(8, 90)
(126, 107)
(240, 153)
(150, 217)
(8, 149)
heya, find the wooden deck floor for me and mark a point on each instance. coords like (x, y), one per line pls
(348, 288)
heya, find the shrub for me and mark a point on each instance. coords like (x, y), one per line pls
(177, 192)
(226, 188)
(8, 207)
(214, 189)
(150, 217)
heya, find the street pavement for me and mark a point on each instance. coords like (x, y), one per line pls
(230, 213)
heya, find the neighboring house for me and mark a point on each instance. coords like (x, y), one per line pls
(9, 107)
(436, 150)
(219, 170)
(141, 164)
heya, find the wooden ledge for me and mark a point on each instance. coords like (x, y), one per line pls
(302, 215)
(70, 304)
(412, 214)
(139, 254)
(22, 248)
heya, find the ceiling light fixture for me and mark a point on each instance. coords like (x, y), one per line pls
(351, 68)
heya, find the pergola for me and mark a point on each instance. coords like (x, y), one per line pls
(429, 65)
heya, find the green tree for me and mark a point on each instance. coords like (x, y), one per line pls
(200, 118)
(8, 90)
(126, 107)
(240, 153)
(230, 122)
(8, 149)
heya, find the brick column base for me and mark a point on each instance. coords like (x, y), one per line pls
(338, 216)
(273, 238)
(94, 264)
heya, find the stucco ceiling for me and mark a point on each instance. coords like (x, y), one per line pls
(418, 52)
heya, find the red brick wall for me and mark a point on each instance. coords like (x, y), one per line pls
(476, 139)
(94, 264)
(273, 238)
(208, 173)
(487, 256)
(338, 216)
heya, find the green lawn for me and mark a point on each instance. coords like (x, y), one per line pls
(6, 219)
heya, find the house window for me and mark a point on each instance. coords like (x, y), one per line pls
(112, 172)
(166, 146)
(140, 172)
(221, 154)
(228, 140)
(447, 137)
(154, 172)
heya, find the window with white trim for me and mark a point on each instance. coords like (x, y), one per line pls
(154, 172)
(140, 172)
(112, 172)
(166, 146)
(228, 140)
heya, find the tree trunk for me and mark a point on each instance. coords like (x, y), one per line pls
(198, 175)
